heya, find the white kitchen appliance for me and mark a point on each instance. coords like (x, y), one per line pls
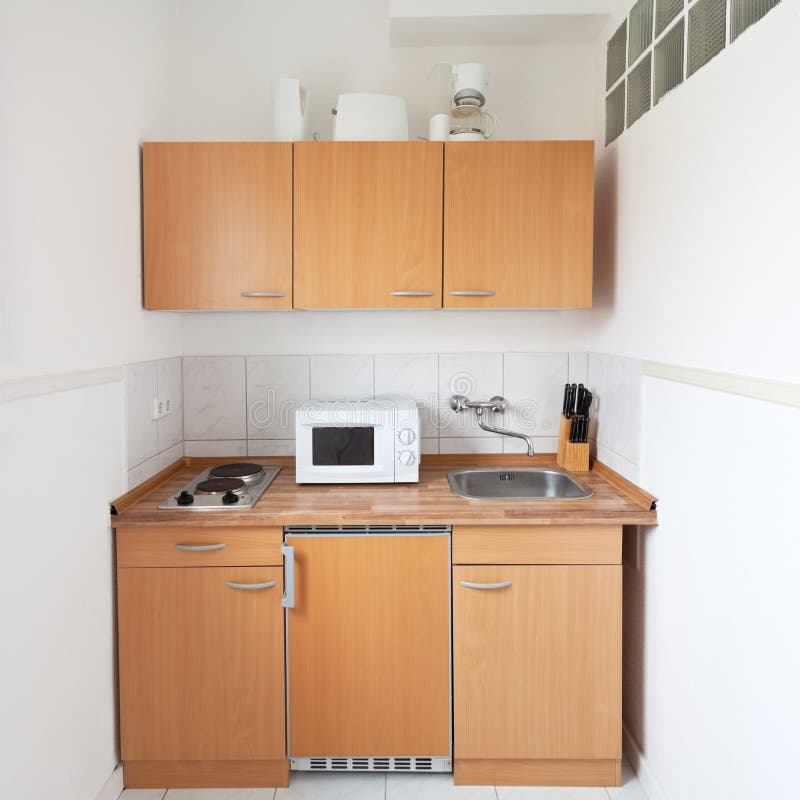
(289, 110)
(460, 90)
(357, 441)
(469, 84)
(367, 117)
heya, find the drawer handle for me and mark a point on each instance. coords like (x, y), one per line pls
(411, 294)
(199, 548)
(263, 294)
(473, 293)
(501, 585)
(249, 586)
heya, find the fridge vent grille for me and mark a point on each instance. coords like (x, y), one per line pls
(745, 12)
(373, 764)
(706, 32)
(299, 530)
(669, 62)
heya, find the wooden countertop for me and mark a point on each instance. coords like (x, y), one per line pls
(616, 501)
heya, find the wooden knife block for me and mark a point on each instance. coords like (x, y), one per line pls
(572, 456)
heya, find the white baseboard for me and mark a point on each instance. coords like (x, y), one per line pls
(641, 767)
(113, 786)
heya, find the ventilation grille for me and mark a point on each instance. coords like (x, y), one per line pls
(640, 31)
(359, 530)
(666, 11)
(706, 32)
(615, 113)
(615, 55)
(669, 62)
(373, 764)
(745, 12)
(639, 90)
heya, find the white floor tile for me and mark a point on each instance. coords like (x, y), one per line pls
(317, 786)
(551, 793)
(220, 794)
(631, 789)
(433, 787)
(143, 794)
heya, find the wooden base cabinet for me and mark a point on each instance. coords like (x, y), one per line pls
(537, 674)
(201, 654)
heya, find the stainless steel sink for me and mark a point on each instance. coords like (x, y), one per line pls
(531, 483)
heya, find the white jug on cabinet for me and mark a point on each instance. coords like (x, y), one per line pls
(289, 110)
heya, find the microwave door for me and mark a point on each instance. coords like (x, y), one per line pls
(343, 447)
(358, 453)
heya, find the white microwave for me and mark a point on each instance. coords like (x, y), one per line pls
(357, 441)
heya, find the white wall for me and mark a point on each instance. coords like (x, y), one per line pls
(80, 84)
(697, 243)
(228, 50)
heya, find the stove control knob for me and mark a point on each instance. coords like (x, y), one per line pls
(230, 497)
(184, 498)
(406, 458)
(406, 436)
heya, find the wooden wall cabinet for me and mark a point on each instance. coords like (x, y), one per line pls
(518, 224)
(201, 654)
(368, 224)
(537, 665)
(217, 225)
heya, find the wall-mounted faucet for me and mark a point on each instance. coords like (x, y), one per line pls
(497, 405)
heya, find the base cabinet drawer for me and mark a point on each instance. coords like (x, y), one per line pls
(537, 663)
(201, 667)
(199, 547)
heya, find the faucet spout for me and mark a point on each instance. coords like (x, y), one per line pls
(502, 431)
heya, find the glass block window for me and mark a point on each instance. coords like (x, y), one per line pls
(615, 55)
(666, 11)
(668, 65)
(639, 89)
(640, 29)
(706, 32)
(615, 113)
(745, 12)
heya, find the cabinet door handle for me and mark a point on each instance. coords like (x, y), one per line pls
(501, 585)
(199, 548)
(249, 586)
(288, 576)
(473, 293)
(412, 294)
(263, 294)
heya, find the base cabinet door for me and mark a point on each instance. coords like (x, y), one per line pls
(201, 672)
(537, 662)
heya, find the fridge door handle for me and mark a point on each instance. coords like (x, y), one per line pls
(287, 601)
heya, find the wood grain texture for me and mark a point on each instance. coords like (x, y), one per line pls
(201, 665)
(518, 220)
(430, 501)
(554, 637)
(369, 672)
(205, 774)
(559, 544)
(217, 222)
(155, 547)
(367, 222)
(536, 772)
(644, 499)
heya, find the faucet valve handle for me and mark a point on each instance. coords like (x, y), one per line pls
(498, 404)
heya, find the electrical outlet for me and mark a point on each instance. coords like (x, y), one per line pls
(161, 407)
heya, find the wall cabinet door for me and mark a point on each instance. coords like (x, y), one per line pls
(368, 225)
(537, 664)
(217, 225)
(518, 224)
(201, 664)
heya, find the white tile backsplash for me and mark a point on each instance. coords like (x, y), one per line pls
(170, 455)
(142, 472)
(471, 444)
(218, 447)
(346, 377)
(214, 398)
(533, 384)
(479, 376)
(541, 444)
(276, 385)
(170, 387)
(262, 448)
(416, 375)
(578, 368)
(141, 382)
